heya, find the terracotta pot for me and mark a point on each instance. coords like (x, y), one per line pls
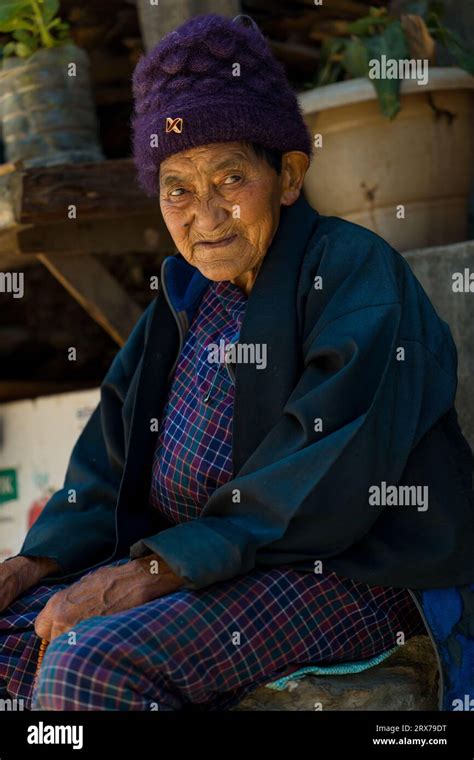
(369, 166)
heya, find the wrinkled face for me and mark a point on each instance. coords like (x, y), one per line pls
(221, 205)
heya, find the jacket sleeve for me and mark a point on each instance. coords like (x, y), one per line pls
(77, 525)
(359, 407)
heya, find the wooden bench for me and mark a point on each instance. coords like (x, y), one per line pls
(406, 680)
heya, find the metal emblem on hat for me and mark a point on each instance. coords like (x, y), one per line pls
(174, 125)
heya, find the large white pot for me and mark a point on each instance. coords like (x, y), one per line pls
(369, 166)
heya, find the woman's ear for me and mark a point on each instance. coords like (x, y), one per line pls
(294, 165)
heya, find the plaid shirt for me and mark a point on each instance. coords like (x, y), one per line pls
(193, 455)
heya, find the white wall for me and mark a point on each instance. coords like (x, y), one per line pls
(36, 440)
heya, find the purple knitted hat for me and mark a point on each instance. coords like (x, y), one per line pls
(211, 80)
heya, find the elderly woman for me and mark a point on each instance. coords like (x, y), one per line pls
(275, 464)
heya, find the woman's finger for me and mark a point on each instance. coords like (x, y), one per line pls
(43, 625)
(57, 629)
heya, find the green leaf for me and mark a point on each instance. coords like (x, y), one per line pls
(9, 9)
(391, 42)
(330, 67)
(388, 94)
(19, 22)
(328, 75)
(49, 8)
(336, 73)
(22, 50)
(20, 35)
(9, 49)
(331, 46)
(369, 25)
(356, 58)
(463, 56)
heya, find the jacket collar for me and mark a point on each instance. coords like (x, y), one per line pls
(185, 285)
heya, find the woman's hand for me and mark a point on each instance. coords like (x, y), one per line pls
(106, 591)
(20, 573)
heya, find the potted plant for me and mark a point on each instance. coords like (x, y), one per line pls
(46, 107)
(394, 139)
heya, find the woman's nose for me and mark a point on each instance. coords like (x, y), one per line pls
(210, 213)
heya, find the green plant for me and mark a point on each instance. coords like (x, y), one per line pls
(381, 34)
(33, 24)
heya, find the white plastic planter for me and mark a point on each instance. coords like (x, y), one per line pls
(47, 112)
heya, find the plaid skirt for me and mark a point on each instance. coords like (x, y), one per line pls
(199, 650)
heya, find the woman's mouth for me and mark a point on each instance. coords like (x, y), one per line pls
(218, 243)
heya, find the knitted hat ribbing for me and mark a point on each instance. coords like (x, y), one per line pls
(211, 80)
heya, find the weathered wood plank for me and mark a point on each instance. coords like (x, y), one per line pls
(99, 190)
(296, 53)
(110, 213)
(94, 288)
(129, 234)
(13, 263)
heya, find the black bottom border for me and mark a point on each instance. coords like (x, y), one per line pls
(138, 735)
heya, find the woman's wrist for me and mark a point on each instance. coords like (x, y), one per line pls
(47, 566)
(159, 572)
(36, 568)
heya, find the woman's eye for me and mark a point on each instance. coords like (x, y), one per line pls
(233, 177)
(177, 190)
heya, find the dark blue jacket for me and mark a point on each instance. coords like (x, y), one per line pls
(353, 341)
